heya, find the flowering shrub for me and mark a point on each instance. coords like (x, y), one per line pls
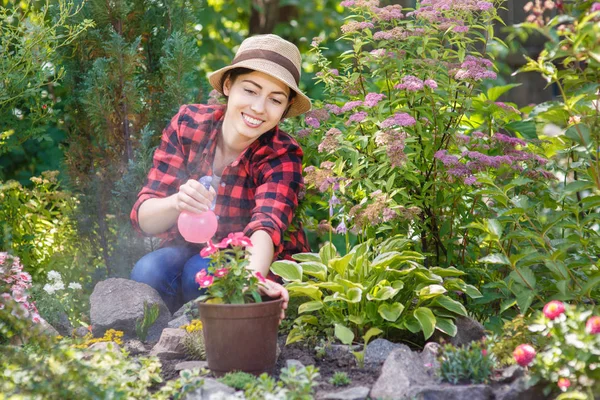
(471, 363)
(373, 289)
(14, 298)
(570, 357)
(397, 151)
(228, 280)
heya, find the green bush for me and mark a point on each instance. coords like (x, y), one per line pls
(340, 379)
(471, 363)
(371, 290)
(238, 380)
(294, 384)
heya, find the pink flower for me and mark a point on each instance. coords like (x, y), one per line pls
(524, 354)
(484, 352)
(595, 7)
(25, 277)
(19, 296)
(35, 318)
(206, 281)
(563, 384)
(372, 99)
(592, 326)
(209, 249)
(235, 239)
(200, 276)
(221, 272)
(553, 309)
(351, 105)
(312, 121)
(260, 277)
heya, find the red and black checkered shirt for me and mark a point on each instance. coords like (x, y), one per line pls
(258, 191)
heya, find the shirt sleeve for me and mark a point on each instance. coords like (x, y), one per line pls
(166, 173)
(280, 181)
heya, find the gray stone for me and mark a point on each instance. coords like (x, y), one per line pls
(170, 345)
(378, 351)
(449, 392)
(63, 325)
(520, 389)
(179, 321)
(293, 363)
(341, 354)
(510, 374)
(467, 330)
(134, 347)
(429, 356)
(81, 331)
(47, 329)
(118, 303)
(190, 308)
(401, 370)
(209, 388)
(191, 365)
(355, 393)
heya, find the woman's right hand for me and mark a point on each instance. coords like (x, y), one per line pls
(194, 197)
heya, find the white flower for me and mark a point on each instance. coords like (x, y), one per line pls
(54, 276)
(74, 286)
(48, 288)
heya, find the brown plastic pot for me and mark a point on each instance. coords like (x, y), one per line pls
(241, 337)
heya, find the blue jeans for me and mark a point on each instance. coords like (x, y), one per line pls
(171, 271)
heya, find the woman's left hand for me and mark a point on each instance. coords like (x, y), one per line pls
(275, 290)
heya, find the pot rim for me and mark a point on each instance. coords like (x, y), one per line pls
(246, 305)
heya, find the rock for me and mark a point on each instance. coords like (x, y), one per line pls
(509, 374)
(63, 325)
(378, 351)
(170, 345)
(135, 347)
(190, 308)
(467, 330)
(105, 346)
(81, 331)
(47, 329)
(450, 392)
(295, 363)
(401, 370)
(355, 393)
(117, 303)
(179, 321)
(191, 365)
(429, 356)
(210, 388)
(342, 354)
(520, 390)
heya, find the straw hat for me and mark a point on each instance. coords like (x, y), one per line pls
(275, 57)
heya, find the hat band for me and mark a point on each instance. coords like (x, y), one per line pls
(270, 56)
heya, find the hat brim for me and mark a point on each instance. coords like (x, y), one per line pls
(300, 104)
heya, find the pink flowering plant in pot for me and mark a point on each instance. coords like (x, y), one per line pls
(411, 128)
(568, 356)
(228, 280)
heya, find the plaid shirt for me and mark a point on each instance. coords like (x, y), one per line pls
(258, 191)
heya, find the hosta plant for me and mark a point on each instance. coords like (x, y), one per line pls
(373, 289)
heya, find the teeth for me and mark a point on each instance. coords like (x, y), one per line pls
(251, 120)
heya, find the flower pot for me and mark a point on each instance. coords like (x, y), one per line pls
(241, 337)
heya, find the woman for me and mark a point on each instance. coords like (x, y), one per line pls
(256, 171)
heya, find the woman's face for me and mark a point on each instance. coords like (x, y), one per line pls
(256, 102)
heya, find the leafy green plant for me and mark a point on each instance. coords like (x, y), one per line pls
(340, 379)
(238, 380)
(568, 357)
(514, 332)
(471, 363)
(151, 313)
(294, 384)
(373, 289)
(193, 343)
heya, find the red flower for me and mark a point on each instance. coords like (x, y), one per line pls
(209, 249)
(524, 354)
(592, 326)
(235, 239)
(221, 272)
(564, 383)
(206, 281)
(260, 277)
(553, 309)
(484, 352)
(200, 276)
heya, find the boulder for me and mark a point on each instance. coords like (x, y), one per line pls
(210, 389)
(170, 346)
(117, 303)
(354, 393)
(191, 365)
(450, 392)
(379, 350)
(179, 322)
(467, 330)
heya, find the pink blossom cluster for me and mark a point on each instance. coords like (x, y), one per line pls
(394, 142)
(474, 68)
(330, 141)
(400, 119)
(214, 97)
(302, 133)
(512, 141)
(316, 41)
(595, 7)
(15, 282)
(312, 121)
(320, 114)
(507, 107)
(334, 109)
(397, 33)
(356, 117)
(355, 26)
(372, 99)
(388, 13)
(360, 3)
(351, 105)
(457, 5)
(322, 178)
(413, 84)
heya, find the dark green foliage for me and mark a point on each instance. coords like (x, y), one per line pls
(467, 364)
(151, 313)
(340, 379)
(238, 380)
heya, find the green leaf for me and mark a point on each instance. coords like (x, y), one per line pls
(446, 325)
(390, 312)
(496, 91)
(450, 305)
(526, 128)
(332, 286)
(310, 306)
(344, 334)
(327, 252)
(444, 272)
(316, 269)
(294, 336)
(579, 133)
(431, 291)
(356, 319)
(303, 257)
(354, 295)
(370, 333)
(382, 293)
(340, 265)
(496, 258)
(524, 298)
(524, 276)
(288, 270)
(305, 289)
(426, 320)
(307, 319)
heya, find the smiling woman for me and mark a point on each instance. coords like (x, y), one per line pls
(255, 170)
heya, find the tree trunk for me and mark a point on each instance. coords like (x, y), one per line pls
(264, 16)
